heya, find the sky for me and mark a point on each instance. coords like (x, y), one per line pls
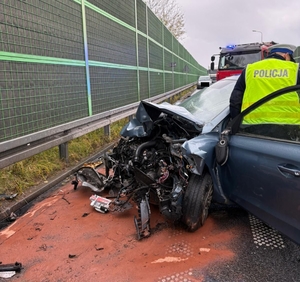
(210, 24)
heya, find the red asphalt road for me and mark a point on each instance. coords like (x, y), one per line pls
(62, 238)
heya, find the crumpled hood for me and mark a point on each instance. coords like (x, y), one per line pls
(149, 112)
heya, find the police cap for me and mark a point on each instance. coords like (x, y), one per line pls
(282, 48)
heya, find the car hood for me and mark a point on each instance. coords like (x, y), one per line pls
(149, 112)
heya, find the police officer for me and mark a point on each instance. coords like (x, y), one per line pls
(261, 78)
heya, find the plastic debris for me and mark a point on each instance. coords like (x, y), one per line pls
(99, 203)
(7, 274)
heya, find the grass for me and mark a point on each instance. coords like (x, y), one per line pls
(19, 177)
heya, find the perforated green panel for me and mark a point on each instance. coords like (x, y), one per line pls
(143, 51)
(39, 96)
(45, 28)
(62, 60)
(144, 79)
(157, 83)
(141, 17)
(120, 9)
(155, 27)
(109, 41)
(112, 88)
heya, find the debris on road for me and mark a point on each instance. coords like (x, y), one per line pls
(8, 197)
(12, 217)
(169, 259)
(9, 270)
(100, 204)
(98, 248)
(206, 250)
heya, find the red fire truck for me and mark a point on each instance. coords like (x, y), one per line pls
(234, 58)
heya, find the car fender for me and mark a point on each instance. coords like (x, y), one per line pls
(201, 150)
(200, 153)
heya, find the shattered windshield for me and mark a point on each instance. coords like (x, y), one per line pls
(206, 104)
(238, 60)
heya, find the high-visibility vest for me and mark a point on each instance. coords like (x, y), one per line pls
(264, 77)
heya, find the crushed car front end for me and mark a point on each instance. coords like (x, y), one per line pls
(159, 161)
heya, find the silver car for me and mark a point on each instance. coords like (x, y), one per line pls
(204, 81)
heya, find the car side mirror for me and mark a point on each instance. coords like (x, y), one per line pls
(221, 148)
(212, 65)
(222, 151)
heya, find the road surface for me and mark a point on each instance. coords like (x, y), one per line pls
(62, 238)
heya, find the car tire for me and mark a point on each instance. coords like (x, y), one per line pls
(196, 201)
(198, 87)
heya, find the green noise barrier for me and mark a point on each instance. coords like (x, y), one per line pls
(63, 60)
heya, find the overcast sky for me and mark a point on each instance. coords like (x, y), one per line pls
(210, 24)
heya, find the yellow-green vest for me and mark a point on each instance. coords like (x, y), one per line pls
(264, 77)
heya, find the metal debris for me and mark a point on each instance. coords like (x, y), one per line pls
(8, 197)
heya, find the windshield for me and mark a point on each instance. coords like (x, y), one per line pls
(238, 60)
(206, 104)
(203, 78)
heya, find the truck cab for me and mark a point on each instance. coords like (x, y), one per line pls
(234, 58)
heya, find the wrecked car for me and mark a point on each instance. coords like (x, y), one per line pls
(147, 166)
(181, 158)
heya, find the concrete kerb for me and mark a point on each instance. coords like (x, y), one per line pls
(43, 188)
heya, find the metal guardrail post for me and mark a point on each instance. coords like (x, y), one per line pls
(64, 152)
(107, 130)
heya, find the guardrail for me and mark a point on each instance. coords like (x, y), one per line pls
(24, 147)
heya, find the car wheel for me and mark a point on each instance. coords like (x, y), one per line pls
(197, 201)
(198, 87)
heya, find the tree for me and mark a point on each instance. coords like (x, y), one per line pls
(170, 15)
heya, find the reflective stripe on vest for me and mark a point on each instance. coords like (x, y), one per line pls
(265, 77)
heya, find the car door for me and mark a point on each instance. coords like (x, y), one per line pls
(262, 173)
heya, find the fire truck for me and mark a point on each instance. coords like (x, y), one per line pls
(234, 58)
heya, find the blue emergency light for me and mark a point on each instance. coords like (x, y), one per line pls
(230, 46)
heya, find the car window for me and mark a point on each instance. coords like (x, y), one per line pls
(278, 118)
